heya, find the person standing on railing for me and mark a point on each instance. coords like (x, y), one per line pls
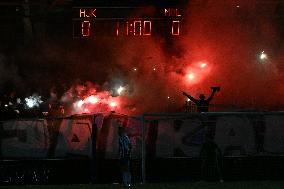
(202, 103)
(124, 156)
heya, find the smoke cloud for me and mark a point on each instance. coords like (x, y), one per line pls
(220, 45)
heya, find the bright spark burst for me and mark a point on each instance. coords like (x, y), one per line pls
(91, 99)
(120, 90)
(263, 55)
(33, 101)
(79, 103)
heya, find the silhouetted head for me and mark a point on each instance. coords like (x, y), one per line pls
(202, 96)
(121, 131)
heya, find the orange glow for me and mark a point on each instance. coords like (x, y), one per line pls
(147, 28)
(175, 27)
(86, 25)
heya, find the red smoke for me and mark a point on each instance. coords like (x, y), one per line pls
(219, 45)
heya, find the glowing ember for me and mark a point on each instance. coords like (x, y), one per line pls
(135, 69)
(154, 69)
(188, 100)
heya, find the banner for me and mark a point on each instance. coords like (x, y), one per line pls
(274, 134)
(24, 139)
(74, 137)
(235, 135)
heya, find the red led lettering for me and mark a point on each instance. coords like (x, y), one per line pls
(137, 28)
(83, 13)
(147, 27)
(92, 13)
(127, 29)
(167, 12)
(175, 27)
(86, 25)
(172, 12)
(117, 28)
(86, 13)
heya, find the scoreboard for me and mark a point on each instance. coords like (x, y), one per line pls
(136, 21)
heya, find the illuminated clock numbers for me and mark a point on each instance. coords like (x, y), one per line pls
(134, 28)
(92, 22)
(147, 28)
(85, 28)
(175, 27)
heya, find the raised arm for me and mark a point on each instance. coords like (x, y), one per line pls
(188, 96)
(212, 95)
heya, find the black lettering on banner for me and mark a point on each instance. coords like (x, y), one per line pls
(152, 139)
(102, 137)
(75, 138)
(1, 137)
(53, 126)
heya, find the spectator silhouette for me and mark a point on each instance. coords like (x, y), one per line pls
(211, 160)
(202, 103)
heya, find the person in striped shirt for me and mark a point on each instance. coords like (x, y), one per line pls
(124, 156)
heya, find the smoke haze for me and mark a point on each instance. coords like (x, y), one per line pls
(219, 45)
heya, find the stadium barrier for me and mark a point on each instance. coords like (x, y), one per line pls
(159, 141)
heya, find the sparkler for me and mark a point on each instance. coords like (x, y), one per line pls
(33, 101)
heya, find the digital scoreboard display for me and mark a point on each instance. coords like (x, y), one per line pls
(93, 22)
